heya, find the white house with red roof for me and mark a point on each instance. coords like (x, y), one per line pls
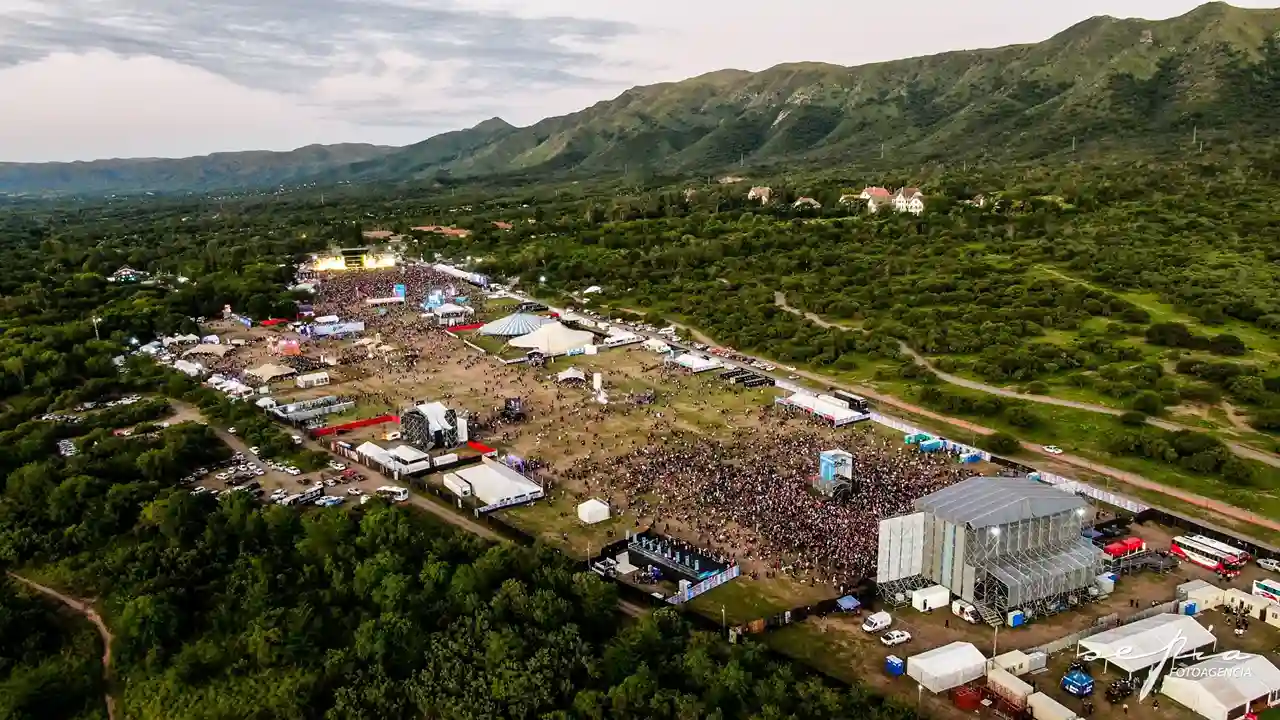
(909, 200)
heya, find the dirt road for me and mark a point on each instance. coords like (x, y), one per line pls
(85, 608)
(780, 299)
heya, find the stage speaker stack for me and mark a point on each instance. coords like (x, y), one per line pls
(449, 436)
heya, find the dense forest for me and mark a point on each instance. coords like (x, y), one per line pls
(225, 608)
(50, 667)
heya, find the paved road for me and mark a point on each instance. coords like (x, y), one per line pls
(1244, 451)
(85, 608)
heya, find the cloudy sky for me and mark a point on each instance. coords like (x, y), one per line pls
(84, 79)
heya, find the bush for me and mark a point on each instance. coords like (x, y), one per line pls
(1148, 402)
(1038, 388)
(1002, 443)
(1022, 417)
(1133, 418)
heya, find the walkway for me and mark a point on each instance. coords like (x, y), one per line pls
(1244, 451)
(85, 608)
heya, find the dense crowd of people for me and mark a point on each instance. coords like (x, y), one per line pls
(753, 498)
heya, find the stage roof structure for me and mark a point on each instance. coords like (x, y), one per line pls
(515, 325)
(271, 371)
(1142, 644)
(1218, 686)
(992, 501)
(493, 483)
(554, 339)
(946, 667)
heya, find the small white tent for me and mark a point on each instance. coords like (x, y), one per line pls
(1226, 686)
(947, 667)
(593, 511)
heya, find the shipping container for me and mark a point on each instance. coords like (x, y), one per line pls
(1008, 687)
(1043, 707)
(930, 598)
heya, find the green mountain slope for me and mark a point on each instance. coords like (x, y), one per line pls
(1126, 82)
(207, 172)
(1103, 78)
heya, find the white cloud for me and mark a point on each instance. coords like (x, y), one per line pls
(97, 78)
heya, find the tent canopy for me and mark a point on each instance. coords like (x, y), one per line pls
(848, 603)
(947, 667)
(572, 374)
(271, 371)
(554, 339)
(209, 349)
(1142, 644)
(593, 511)
(1218, 685)
(515, 325)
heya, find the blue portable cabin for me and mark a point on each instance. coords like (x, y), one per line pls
(933, 445)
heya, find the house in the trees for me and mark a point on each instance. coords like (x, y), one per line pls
(978, 201)
(760, 194)
(909, 200)
(876, 198)
(807, 202)
(128, 274)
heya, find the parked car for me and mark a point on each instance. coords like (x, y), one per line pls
(254, 450)
(355, 492)
(293, 470)
(330, 482)
(232, 431)
(337, 465)
(895, 637)
(1271, 564)
(1053, 449)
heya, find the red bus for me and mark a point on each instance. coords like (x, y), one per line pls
(1206, 556)
(1221, 547)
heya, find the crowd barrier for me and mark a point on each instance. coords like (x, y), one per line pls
(354, 425)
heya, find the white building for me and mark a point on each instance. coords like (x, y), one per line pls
(593, 511)
(1225, 687)
(496, 485)
(909, 200)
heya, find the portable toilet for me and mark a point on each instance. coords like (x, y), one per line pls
(1188, 607)
(895, 665)
(933, 445)
(1016, 619)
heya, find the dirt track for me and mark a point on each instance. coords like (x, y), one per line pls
(85, 608)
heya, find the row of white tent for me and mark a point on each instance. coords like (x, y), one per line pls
(1218, 687)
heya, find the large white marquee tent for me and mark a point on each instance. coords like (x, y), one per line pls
(1147, 642)
(515, 325)
(1226, 686)
(554, 339)
(948, 666)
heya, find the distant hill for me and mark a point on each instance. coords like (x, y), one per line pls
(207, 172)
(1216, 68)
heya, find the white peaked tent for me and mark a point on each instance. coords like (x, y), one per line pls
(593, 511)
(515, 325)
(1222, 686)
(1147, 642)
(947, 667)
(554, 339)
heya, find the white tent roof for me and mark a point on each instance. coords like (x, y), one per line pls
(451, 309)
(948, 666)
(697, 363)
(593, 511)
(515, 325)
(408, 454)
(572, 373)
(493, 482)
(554, 339)
(271, 371)
(1147, 642)
(822, 408)
(656, 345)
(1222, 683)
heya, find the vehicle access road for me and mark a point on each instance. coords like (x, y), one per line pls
(85, 608)
(1215, 506)
(1244, 451)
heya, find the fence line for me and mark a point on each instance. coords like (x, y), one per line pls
(1103, 624)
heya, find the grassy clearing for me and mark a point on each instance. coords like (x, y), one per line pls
(555, 521)
(744, 599)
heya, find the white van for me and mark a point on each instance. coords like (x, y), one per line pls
(877, 622)
(965, 611)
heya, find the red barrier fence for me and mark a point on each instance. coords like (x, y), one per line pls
(480, 448)
(355, 425)
(465, 328)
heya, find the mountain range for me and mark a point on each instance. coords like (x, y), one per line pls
(1217, 67)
